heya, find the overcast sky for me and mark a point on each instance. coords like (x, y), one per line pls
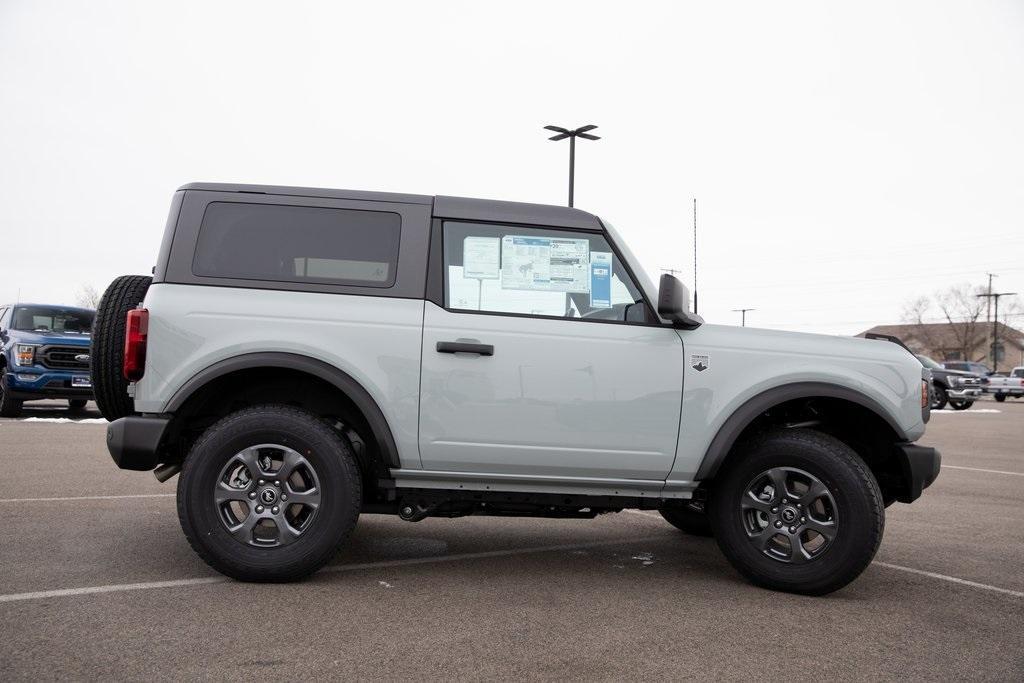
(845, 157)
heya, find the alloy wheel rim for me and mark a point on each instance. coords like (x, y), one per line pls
(789, 515)
(267, 495)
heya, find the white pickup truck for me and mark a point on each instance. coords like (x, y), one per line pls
(1012, 386)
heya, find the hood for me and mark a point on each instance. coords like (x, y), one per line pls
(43, 338)
(958, 373)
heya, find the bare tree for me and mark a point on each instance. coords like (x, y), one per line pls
(87, 297)
(961, 309)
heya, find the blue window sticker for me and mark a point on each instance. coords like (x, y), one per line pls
(600, 279)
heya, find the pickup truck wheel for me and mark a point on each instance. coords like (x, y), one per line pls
(8, 406)
(939, 397)
(960, 404)
(798, 511)
(1000, 397)
(691, 519)
(268, 494)
(76, 403)
(109, 385)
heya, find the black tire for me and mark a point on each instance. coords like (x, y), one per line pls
(108, 382)
(76, 403)
(960, 404)
(939, 397)
(691, 519)
(1000, 397)
(858, 517)
(9, 407)
(340, 494)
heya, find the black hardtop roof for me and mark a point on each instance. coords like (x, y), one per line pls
(463, 208)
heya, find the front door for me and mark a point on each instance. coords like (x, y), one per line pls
(545, 360)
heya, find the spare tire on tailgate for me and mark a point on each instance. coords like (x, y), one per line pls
(109, 385)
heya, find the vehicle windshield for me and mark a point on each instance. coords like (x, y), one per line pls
(52, 319)
(929, 363)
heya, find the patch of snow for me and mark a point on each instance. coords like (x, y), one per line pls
(385, 584)
(67, 420)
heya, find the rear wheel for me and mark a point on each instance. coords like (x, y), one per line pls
(939, 397)
(692, 518)
(1000, 397)
(798, 511)
(109, 385)
(9, 407)
(960, 404)
(268, 494)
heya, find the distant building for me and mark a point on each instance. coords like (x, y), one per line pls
(959, 341)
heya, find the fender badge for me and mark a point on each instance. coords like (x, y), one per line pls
(699, 363)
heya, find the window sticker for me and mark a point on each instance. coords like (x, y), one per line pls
(545, 264)
(600, 279)
(481, 258)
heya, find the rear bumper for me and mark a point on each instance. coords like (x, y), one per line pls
(134, 442)
(920, 466)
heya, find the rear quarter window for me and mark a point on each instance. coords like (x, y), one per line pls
(301, 244)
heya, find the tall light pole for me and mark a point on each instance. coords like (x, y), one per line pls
(995, 324)
(743, 314)
(563, 133)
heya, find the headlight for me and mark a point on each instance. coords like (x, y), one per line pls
(953, 380)
(24, 355)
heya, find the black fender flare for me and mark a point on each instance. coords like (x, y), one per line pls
(746, 413)
(293, 361)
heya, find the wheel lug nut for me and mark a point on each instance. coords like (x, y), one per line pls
(792, 529)
(252, 494)
(259, 508)
(803, 519)
(775, 510)
(778, 525)
(784, 501)
(284, 496)
(275, 509)
(261, 482)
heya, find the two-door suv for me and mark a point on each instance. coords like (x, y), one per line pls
(302, 356)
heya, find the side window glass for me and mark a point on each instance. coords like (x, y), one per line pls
(536, 271)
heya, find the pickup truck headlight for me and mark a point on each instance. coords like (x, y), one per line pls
(953, 380)
(24, 355)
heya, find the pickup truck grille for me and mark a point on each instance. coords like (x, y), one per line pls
(63, 357)
(970, 381)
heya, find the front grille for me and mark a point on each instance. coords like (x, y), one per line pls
(970, 381)
(63, 357)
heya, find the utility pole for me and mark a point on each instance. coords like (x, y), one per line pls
(563, 133)
(743, 314)
(995, 296)
(988, 302)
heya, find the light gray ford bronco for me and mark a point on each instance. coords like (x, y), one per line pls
(302, 356)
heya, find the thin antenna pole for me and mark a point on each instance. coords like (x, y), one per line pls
(572, 166)
(694, 255)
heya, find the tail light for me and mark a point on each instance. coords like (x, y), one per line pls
(135, 335)
(925, 398)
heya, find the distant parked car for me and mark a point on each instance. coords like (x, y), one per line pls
(958, 388)
(1013, 386)
(44, 353)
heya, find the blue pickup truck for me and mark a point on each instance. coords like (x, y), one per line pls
(44, 353)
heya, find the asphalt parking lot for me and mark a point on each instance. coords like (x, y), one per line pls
(97, 581)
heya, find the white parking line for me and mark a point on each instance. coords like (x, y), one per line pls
(148, 585)
(951, 579)
(979, 469)
(72, 498)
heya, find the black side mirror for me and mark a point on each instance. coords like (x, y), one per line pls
(674, 304)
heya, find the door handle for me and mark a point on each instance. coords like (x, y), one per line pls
(465, 347)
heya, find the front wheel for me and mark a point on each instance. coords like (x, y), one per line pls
(960, 404)
(798, 511)
(939, 397)
(9, 407)
(1000, 397)
(268, 494)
